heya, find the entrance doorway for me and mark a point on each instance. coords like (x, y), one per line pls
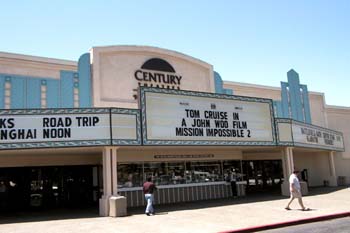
(37, 188)
(263, 175)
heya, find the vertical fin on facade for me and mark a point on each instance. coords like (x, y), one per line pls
(285, 100)
(27, 92)
(277, 108)
(67, 88)
(2, 91)
(295, 99)
(33, 93)
(52, 98)
(295, 95)
(84, 74)
(306, 103)
(219, 85)
(73, 89)
(18, 92)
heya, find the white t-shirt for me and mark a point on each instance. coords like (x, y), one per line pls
(233, 177)
(293, 179)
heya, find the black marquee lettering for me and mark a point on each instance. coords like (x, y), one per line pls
(10, 123)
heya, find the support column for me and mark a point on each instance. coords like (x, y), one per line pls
(290, 160)
(111, 204)
(288, 167)
(284, 163)
(333, 174)
(107, 180)
(114, 173)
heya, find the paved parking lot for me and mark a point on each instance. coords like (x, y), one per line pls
(210, 216)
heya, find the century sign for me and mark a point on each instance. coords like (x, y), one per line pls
(172, 117)
(159, 73)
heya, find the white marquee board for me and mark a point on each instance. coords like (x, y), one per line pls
(307, 135)
(172, 117)
(68, 127)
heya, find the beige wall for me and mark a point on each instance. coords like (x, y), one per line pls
(317, 109)
(24, 65)
(113, 80)
(114, 83)
(316, 99)
(51, 157)
(338, 119)
(317, 164)
(263, 155)
(342, 166)
(252, 90)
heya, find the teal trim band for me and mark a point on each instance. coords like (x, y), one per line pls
(84, 74)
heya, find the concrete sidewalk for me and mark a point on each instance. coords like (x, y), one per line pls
(211, 216)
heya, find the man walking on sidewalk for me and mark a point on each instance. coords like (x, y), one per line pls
(148, 189)
(295, 191)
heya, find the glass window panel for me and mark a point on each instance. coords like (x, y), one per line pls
(229, 165)
(130, 175)
(200, 172)
(165, 173)
(176, 171)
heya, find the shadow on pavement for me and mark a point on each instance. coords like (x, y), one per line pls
(93, 212)
(324, 190)
(47, 215)
(207, 203)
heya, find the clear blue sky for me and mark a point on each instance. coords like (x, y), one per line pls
(246, 41)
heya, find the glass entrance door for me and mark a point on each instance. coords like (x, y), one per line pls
(38, 188)
(262, 175)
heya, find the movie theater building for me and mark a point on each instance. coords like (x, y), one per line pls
(83, 133)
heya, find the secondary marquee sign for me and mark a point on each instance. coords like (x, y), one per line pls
(68, 127)
(174, 117)
(295, 133)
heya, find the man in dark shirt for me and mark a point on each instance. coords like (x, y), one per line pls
(148, 189)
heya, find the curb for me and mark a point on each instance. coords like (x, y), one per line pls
(289, 223)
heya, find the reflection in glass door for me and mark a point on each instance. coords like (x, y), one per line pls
(262, 175)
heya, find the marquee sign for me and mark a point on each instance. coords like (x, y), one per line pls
(174, 117)
(68, 127)
(295, 133)
(126, 127)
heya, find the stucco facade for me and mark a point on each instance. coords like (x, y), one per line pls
(110, 77)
